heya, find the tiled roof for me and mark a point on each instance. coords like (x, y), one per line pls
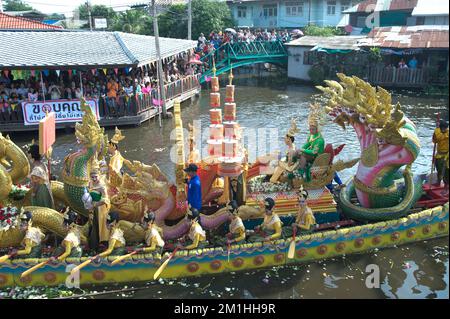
(52, 49)
(8, 22)
(408, 37)
(383, 5)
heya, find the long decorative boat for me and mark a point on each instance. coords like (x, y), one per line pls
(380, 207)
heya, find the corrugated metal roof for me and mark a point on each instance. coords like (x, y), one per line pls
(431, 8)
(408, 37)
(8, 22)
(34, 49)
(383, 5)
(336, 42)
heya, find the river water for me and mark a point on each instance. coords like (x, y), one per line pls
(265, 108)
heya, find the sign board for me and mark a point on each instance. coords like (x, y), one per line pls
(100, 23)
(47, 127)
(66, 111)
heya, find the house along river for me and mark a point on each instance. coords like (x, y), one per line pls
(265, 108)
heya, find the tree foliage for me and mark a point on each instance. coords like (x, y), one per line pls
(133, 21)
(16, 5)
(314, 30)
(207, 16)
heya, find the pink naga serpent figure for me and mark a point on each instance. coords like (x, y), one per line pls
(388, 142)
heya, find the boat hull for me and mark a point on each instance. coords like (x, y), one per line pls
(425, 225)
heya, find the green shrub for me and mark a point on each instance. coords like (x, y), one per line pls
(317, 74)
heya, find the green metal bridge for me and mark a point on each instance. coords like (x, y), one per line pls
(242, 53)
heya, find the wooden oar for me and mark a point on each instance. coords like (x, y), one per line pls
(164, 265)
(35, 267)
(120, 258)
(433, 159)
(83, 264)
(4, 258)
(291, 251)
(228, 251)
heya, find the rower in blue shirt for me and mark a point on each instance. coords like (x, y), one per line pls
(194, 194)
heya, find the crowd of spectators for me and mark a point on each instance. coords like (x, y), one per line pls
(216, 39)
(115, 88)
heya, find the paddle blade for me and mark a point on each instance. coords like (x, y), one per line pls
(4, 258)
(161, 269)
(80, 266)
(35, 267)
(291, 251)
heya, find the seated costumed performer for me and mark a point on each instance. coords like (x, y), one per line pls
(153, 234)
(289, 164)
(315, 144)
(32, 241)
(196, 235)
(116, 243)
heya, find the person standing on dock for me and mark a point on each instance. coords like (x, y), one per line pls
(194, 194)
(440, 137)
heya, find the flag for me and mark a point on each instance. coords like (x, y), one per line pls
(105, 71)
(93, 71)
(127, 71)
(208, 78)
(58, 72)
(46, 72)
(74, 72)
(116, 70)
(33, 72)
(70, 73)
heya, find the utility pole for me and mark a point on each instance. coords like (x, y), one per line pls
(89, 12)
(189, 20)
(1, 6)
(158, 56)
(309, 12)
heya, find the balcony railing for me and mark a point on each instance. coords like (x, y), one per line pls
(122, 105)
(391, 76)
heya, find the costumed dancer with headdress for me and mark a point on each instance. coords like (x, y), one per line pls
(196, 236)
(315, 144)
(71, 245)
(271, 228)
(290, 164)
(99, 231)
(116, 161)
(41, 194)
(305, 218)
(153, 234)
(116, 242)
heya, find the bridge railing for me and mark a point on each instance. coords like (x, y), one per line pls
(242, 50)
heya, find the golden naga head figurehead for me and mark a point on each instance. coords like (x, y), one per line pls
(88, 132)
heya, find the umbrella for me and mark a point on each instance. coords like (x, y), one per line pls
(297, 31)
(230, 30)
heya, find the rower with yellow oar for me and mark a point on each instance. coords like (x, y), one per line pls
(236, 229)
(196, 235)
(116, 243)
(32, 241)
(305, 218)
(71, 245)
(271, 228)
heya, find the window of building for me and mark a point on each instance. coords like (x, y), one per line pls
(270, 11)
(310, 57)
(331, 8)
(242, 12)
(294, 8)
(345, 5)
